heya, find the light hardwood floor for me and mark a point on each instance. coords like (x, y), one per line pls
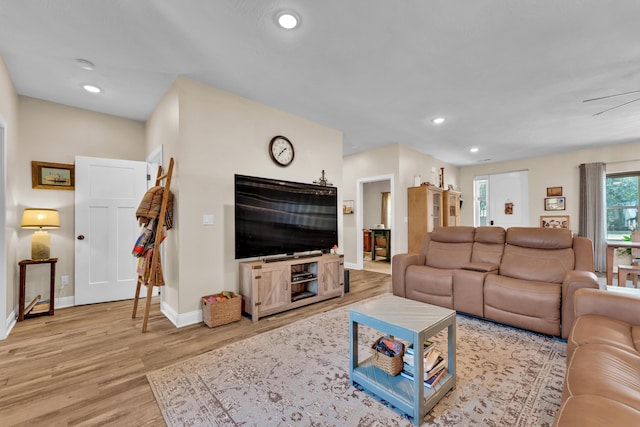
(87, 365)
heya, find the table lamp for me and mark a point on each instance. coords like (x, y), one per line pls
(40, 219)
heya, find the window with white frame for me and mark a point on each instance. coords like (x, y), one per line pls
(623, 201)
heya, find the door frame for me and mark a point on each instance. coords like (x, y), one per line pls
(155, 157)
(360, 216)
(4, 322)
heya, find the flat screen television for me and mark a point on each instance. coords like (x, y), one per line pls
(276, 217)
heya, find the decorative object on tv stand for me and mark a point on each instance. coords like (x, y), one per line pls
(322, 180)
(40, 219)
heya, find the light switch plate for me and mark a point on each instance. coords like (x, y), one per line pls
(208, 219)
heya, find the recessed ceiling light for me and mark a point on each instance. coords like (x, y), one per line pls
(288, 20)
(474, 150)
(91, 88)
(84, 64)
(438, 120)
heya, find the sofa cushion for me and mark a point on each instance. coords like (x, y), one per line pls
(594, 329)
(539, 238)
(603, 370)
(448, 255)
(492, 235)
(489, 253)
(595, 411)
(460, 234)
(522, 303)
(542, 265)
(430, 285)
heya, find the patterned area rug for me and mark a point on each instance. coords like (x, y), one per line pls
(299, 375)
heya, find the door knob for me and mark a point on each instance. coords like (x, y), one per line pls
(80, 237)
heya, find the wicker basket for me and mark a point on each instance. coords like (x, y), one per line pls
(221, 312)
(392, 365)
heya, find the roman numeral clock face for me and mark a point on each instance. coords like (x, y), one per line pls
(281, 151)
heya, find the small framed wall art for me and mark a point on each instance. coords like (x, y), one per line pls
(557, 221)
(554, 203)
(347, 207)
(52, 176)
(554, 191)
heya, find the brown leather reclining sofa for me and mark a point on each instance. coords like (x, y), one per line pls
(602, 383)
(522, 276)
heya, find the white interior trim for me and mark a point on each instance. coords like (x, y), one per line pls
(5, 323)
(360, 216)
(180, 320)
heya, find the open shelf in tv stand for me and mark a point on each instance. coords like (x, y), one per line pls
(277, 286)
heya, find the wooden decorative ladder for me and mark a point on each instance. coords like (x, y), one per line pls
(149, 277)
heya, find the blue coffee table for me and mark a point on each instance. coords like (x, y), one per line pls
(410, 321)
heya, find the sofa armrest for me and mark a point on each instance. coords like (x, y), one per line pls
(573, 281)
(482, 267)
(399, 264)
(616, 305)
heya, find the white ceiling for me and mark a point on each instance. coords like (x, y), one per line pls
(509, 76)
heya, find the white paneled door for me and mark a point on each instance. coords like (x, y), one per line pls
(108, 192)
(508, 199)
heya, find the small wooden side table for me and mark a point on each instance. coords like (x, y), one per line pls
(624, 271)
(46, 309)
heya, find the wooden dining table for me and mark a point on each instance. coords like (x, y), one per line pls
(612, 245)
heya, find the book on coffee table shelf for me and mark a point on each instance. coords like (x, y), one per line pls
(431, 358)
(428, 345)
(433, 379)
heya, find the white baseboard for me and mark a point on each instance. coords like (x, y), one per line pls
(351, 266)
(11, 322)
(64, 302)
(180, 320)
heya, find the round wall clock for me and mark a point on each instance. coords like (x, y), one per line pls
(281, 150)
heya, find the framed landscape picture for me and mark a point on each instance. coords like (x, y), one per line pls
(557, 221)
(554, 203)
(554, 191)
(52, 176)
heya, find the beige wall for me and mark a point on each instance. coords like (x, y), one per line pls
(162, 129)
(53, 132)
(372, 201)
(221, 134)
(403, 164)
(560, 170)
(9, 279)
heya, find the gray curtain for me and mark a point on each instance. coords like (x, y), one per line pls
(593, 210)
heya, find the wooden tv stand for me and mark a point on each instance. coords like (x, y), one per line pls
(273, 287)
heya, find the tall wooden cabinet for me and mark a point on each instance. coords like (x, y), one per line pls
(272, 287)
(450, 208)
(424, 213)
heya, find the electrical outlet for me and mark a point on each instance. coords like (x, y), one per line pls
(208, 219)
(64, 280)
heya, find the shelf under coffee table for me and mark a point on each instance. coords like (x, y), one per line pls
(410, 321)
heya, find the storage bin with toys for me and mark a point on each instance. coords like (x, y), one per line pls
(220, 309)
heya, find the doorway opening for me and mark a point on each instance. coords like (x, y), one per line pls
(375, 213)
(502, 199)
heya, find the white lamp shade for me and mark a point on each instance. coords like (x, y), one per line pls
(40, 218)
